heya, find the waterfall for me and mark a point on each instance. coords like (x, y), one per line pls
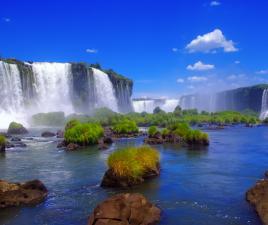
(105, 94)
(144, 106)
(53, 87)
(11, 94)
(264, 105)
(148, 105)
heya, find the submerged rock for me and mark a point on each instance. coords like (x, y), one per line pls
(15, 194)
(48, 134)
(72, 147)
(60, 134)
(110, 179)
(16, 128)
(258, 197)
(125, 209)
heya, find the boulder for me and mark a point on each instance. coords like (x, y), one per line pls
(125, 209)
(72, 147)
(48, 134)
(15, 139)
(15, 194)
(258, 197)
(16, 128)
(110, 179)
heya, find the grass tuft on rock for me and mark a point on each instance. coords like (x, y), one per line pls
(133, 162)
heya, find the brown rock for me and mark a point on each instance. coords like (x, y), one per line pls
(258, 197)
(72, 147)
(48, 134)
(125, 209)
(15, 194)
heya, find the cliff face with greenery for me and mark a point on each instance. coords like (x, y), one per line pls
(240, 99)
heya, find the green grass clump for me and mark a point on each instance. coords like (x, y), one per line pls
(2, 140)
(82, 133)
(152, 130)
(126, 127)
(196, 137)
(133, 162)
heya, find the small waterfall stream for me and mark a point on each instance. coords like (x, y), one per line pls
(104, 91)
(264, 105)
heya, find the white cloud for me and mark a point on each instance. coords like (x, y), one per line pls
(91, 50)
(5, 19)
(196, 79)
(180, 80)
(262, 72)
(237, 62)
(215, 3)
(199, 66)
(210, 42)
(174, 49)
(236, 76)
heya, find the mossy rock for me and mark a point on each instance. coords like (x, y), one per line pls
(16, 128)
(2, 143)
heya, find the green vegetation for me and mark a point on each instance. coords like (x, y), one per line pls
(82, 133)
(152, 130)
(126, 127)
(2, 140)
(48, 119)
(133, 162)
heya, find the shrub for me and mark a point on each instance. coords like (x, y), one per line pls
(125, 127)
(133, 162)
(83, 133)
(2, 140)
(14, 125)
(180, 129)
(152, 130)
(71, 123)
(158, 110)
(165, 132)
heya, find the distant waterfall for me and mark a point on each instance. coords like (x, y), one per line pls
(53, 87)
(104, 91)
(11, 96)
(148, 105)
(264, 105)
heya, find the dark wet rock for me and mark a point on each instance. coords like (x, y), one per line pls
(160, 139)
(2, 147)
(110, 179)
(104, 142)
(125, 209)
(60, 134)
(258, 197)
(48, 134)
(72, 147)
(15, 194)
(16, 128)
(15, 139)
(15, 144)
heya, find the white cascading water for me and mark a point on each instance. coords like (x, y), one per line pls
(53, 87)
(264, 105)
(104, 91)
(144, 106)
(11, 105)
(148, 106)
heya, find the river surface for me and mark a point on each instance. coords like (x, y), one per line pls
(205, 187)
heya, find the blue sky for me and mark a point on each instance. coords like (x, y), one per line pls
(167, 47)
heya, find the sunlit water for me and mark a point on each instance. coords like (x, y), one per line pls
(195, 187)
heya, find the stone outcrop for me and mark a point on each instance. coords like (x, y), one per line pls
(258, 197)
(16, 128)
(15, 194)
(125, 209)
